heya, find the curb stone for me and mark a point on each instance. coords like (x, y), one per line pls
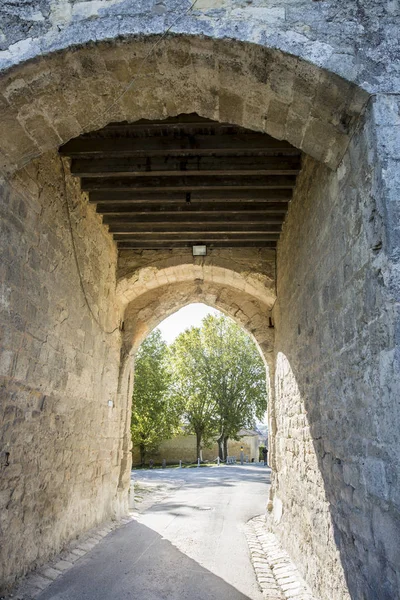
(277, 575)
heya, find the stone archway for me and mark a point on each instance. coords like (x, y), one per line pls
(171, 287)
(335, 315)
(83, 89)
(152, 292)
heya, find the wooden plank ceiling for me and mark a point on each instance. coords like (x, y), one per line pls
(186, 181)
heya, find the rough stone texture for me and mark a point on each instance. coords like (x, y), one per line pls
(358, 41)
(154, 284)
(336, 424)
(57, 370)
(336, 416)
(250, 270)
(276, 574)
(47, 102)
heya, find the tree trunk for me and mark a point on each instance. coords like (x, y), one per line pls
(221, 448)
(142, 454)
(225, 446)
(198, 444)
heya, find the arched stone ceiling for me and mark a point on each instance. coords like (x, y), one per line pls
(258, 282)
(148, 310)
(47, 102)
(358, 42)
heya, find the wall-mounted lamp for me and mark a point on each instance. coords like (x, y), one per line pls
(199, 250)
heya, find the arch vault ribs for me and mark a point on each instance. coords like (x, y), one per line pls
(186, 180)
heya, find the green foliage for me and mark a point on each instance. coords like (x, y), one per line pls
(155, 413)
(217, 372)
(188, 386)
(236, 375)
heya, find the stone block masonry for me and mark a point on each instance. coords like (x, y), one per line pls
(336, 433)
(276, 574)
(183, 447)
(326, 80)
(68, 450)
(43, 107)
(355, 43)
(58, 369)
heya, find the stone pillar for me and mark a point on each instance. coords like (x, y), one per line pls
(125, 391)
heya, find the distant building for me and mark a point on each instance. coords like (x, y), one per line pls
(183, 447)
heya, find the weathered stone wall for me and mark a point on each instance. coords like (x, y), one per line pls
(59, 369)
(60, 453)
(183, 447)
(336, 452)
(358, 41)
(238, 281)
(337, 374)
(47, 102)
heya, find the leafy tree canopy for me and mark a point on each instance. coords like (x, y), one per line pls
(218, 373)
(189, 386)
(155, 413)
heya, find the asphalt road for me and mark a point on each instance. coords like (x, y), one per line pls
(191, 545)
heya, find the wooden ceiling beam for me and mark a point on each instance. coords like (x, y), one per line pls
(192, 208)
(193, 227)
(198, 196)
(200, 219)
(185, 180)
(171, 145)
(172, 166)
(195, 236)
(182, 244)
(185, 183)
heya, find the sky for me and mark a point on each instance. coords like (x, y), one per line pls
(184, 318)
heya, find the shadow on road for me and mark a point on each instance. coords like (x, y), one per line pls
(136, 562)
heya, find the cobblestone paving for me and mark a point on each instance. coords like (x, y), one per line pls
(276, 574)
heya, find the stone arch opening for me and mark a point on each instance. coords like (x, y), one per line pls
(151, 292)
(335, 290)
(175, 298)
(242, 293)
(84, 88)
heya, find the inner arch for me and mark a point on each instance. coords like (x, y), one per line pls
(139, 276)
(144, 313)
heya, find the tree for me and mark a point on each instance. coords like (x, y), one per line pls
(219, 371)
(240, 381)
(155, 416)
(188, 386)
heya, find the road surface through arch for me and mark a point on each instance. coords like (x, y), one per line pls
(190, 545)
